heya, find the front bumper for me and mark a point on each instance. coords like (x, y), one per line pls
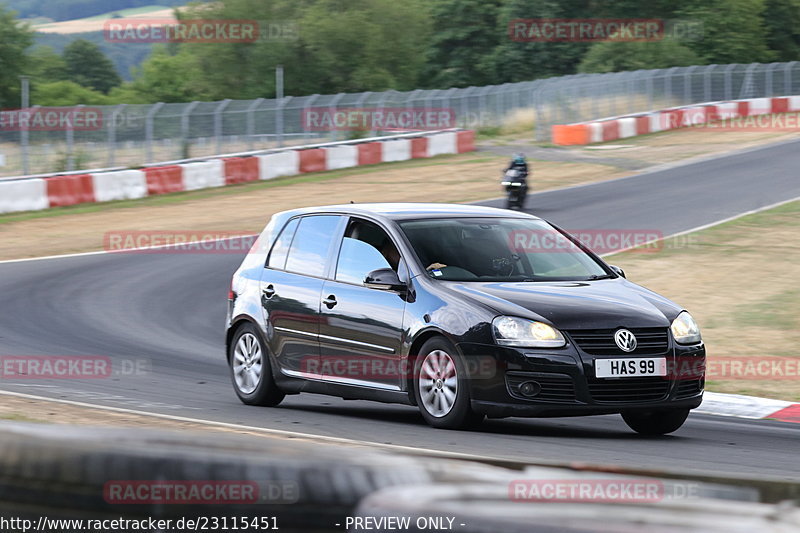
(564, 382)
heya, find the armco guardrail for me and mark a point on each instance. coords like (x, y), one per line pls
(613, 128)
(56, 190)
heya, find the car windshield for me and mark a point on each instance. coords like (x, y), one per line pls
(499, 249)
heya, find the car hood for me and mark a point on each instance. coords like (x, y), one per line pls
(601, 304)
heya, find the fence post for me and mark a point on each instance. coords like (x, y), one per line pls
(251, 121)
(361, 100)
(148, 131)
(184, 148)
(448, 105)
(768, 73)
(25, 81)
(281, 105)
(787, 78)
(707, 71)
(218, 123)
(687, 85)
(112, 133)
(306, 106)
(381, 106)
(333, 108)
(729, 81)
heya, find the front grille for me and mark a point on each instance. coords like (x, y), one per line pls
(649, 341)
(555, 387)
(689, 388)
(628, 389)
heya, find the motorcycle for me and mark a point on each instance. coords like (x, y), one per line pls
(516, 187)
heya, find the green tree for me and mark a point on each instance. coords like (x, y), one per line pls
(465, 34)
(782, 20)
(88, 66)
(15, 38)
(65, 93)
(618, 56)
(45, 65)
(166, 78)
(733, 31)
(514, 60)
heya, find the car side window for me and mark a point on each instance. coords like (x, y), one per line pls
(308, 253)
(365, 247)
(277, 257)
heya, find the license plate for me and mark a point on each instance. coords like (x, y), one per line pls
(630, 368)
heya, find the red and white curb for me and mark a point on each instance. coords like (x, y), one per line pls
(753, 407)
(46, 191)
(622, 127)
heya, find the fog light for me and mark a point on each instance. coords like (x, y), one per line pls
(530, 389)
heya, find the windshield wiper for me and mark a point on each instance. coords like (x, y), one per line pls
(594, 277)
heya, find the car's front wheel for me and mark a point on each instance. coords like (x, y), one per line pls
(251, 372)
(658, 422)
(441, 386)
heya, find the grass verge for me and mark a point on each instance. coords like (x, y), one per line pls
(740, 282)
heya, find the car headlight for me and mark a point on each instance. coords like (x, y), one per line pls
(513, 331)
(685, 329)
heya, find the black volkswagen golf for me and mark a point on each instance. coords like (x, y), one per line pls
(463, 311)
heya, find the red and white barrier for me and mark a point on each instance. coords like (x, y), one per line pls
(667, 119)
(342, 156)
(119, 185)
(29, 194)
(202, 175)
(399, 150)
(279, 164)
(442, 143)
(23, 195)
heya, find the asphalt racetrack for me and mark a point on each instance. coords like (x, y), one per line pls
(167, 310)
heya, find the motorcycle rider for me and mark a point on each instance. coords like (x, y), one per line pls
(520, 164)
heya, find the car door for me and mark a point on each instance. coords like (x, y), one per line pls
(291, 286)
(361, 328)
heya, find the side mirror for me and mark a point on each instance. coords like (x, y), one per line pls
(618, 270)
(384, 279)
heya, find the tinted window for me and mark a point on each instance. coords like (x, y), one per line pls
(312, 241)
(277, 258)
(498, 250)
(366, 247)
(357, 259)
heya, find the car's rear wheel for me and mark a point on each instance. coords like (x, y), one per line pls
(441, 386)
(658, 422)
(251, 371)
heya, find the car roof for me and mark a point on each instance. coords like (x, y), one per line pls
(412, 210)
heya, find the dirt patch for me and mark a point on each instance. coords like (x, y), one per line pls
(246, 208)
(740, 282)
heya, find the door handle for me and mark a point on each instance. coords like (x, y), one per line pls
(268, 291)
(330, 301)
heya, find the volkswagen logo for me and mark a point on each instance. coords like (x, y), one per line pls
(625, 340)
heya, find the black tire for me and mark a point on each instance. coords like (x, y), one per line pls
(460, 415)
(264, 391)
(659, 422)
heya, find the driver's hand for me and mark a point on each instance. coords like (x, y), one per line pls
(434, 266)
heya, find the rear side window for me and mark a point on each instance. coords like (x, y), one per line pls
(277, 258)
(312, 241)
